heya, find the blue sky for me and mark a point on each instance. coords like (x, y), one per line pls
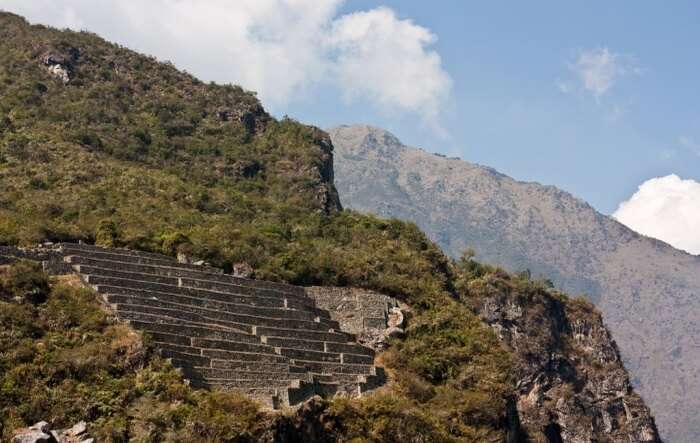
(506, 110)
(597, 97)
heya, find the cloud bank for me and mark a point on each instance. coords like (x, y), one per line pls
(279, 48)
(379, 56)
(667, 208)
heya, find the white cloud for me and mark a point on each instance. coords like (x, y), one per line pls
(279, 48)
(383, 57)
(598, 70)
(667, 208)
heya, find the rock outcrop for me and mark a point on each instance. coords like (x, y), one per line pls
(60, 63)
(41, 432)
(646, 290)
(571, 385)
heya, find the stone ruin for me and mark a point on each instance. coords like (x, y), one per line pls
(373, 317)
(270, 341)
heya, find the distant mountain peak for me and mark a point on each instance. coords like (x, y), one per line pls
(647, 290)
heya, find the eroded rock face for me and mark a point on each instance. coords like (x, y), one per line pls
(254, 118)
(327, 192)
(60, 72)
(571, 383)
(60, 63)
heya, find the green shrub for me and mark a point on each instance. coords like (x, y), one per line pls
(27, 281)
(107, 233)
(64, 361)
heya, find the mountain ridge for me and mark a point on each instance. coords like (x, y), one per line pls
(525, 225)
(104, 146)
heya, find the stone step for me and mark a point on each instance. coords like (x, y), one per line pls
(340, 378)
(171, 339)
(234, 308)
(243, 356)
(109, 254)
(161, 271)
(227, 345)
(97, 280)
(294, 343)
(230, 374)
(219, 315)
(193, 331)
(249, 366)
(319, 346)
(310, 355)
(105, 272)
(335, 336)
(352, 348)
(141, 312)
(316, 367)
(123, 251)
(168, 268)
(192, 359)
(208, 284)
(157, 315)
(266, 340)
(178, 348)
(237, 287)
(229, 384)
(203, 281)
(356, 359)
(197, 295)
(277, 286)
(210, 344)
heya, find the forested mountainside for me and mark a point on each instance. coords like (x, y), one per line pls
(103, 145)
(648, 291)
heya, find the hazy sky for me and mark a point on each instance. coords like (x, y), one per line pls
(597, 97)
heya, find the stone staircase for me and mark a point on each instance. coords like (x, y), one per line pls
(266, 340)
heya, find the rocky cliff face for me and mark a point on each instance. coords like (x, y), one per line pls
(647, 290)
(326, 193)
(571, 385)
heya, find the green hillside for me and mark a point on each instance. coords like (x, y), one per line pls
(132, 152)
(103, 145)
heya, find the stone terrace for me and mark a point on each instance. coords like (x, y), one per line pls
(266, 340)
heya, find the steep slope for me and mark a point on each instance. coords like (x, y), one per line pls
(103, 145)
(647, 291)
(100, 144)
(558, 376)
(571, 383)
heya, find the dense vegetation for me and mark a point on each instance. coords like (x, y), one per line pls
(64, 360)
(131, 152)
